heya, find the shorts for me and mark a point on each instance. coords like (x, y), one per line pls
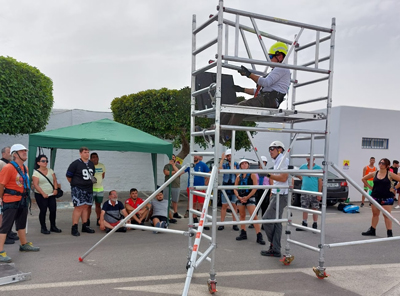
(309, 200)
(174, 194)
(114, 224)
(81, 197)
(384, 201)
(161, 218)
(370, 182)
(232, 198)
(196, 198)
(250, 201)
(98, 196)
(10, 215)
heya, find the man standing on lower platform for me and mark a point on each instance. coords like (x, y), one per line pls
(273, 231)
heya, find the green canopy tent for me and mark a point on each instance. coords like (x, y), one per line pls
(104, 134)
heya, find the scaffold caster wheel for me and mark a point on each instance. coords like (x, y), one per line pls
(321, 274)
(212, 286)
(286, 260)
(80, 259)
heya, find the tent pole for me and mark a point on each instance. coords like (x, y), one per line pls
(53, 152)
(154, 161)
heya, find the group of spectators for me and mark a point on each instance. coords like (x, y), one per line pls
(86, 176)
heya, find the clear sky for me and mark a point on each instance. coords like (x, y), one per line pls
(96, 50)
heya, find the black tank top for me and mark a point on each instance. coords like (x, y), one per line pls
(381, 188)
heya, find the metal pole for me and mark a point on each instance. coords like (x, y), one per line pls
(123, 221)
(321, 260)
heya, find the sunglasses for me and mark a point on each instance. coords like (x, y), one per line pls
(271, 56)
(381, 162)
(272, 148)
(44, 161)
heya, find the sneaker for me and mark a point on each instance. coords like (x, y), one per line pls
(370, 232)
(4, 258)
(397, 207)
(163, 224)
(362, 204)
(173, 221)
(186, 214)
(206, 228)
(195, 220)
(158, 224)
(55, 229)
(389, 233)
(74, 230)
(28, 247)
(98, 222)
(86, 228)
(13, 235)
(260, 239)
(121, 229)
(234, 227)
(242, 235)
(177, 216)
(302, 224)
(315, 225)
(45, 231)
(270, 253)
(221, 227)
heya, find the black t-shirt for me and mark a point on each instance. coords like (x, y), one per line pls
(80, 175)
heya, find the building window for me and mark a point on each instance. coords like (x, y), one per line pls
(375, 143)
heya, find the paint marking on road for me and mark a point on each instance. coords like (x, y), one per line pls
(387, 268)
(198, 290)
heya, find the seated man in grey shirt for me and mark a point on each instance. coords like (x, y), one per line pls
(270, 91)
(159, 212)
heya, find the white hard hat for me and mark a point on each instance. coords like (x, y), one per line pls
(263, 158)
(243, 160)
(228, 152)
(17, 147)
(277, 144)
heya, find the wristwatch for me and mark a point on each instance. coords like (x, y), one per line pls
(269, 175)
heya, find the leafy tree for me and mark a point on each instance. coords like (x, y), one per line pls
(165, 114)
(26, 98)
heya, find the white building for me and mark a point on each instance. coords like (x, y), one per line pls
(356, 135)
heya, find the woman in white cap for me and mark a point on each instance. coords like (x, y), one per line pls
(246, 199)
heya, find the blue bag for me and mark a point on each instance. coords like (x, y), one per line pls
(351, 209)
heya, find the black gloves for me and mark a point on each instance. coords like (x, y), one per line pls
(238, 88)
(244, 71)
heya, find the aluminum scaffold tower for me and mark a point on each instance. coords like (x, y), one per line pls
(321, 69)
(291, 121)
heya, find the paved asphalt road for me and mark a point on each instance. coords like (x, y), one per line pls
(143, 263)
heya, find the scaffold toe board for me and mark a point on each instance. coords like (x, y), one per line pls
(272, 115)
(9, 274)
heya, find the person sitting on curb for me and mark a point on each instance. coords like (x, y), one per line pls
(132, 203)
(159, 211)
(110, 215)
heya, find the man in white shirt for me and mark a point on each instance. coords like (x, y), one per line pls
(273, 231)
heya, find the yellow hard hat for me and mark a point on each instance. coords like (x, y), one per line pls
(278, 47)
